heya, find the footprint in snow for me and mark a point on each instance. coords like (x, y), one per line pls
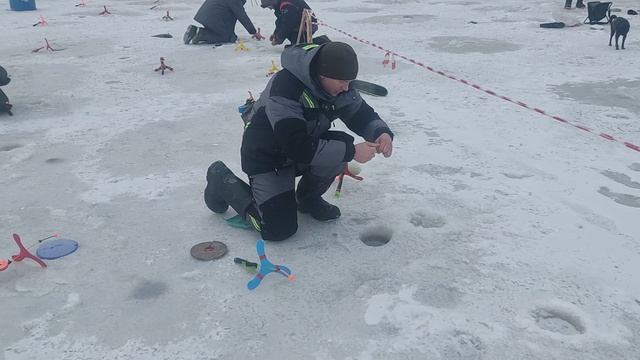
(620, 198)
(621, 178)
(9, 147)
(427, 220)
(558, 321)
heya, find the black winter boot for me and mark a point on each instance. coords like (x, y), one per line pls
(580, 4)
(214, 190)
(567, 4)
(310, 201)
(224, 189)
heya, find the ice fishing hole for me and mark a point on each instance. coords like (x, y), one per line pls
(376, 236)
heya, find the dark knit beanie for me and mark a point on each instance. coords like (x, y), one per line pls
(337, 60)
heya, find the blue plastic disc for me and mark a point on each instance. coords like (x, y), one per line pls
(56, 249)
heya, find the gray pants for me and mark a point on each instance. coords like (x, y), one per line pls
(206, 36)
(275, 197)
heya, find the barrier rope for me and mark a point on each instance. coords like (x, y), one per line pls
(487, 91)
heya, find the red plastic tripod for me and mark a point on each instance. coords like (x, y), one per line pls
(167, 17)
(163, 67)
(46, 46)
(23, 254)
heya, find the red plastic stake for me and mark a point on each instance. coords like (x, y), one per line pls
(24, 253)
(339, 187)
(163, 67)
(105, 11)
(41, 22)
(385, 62)
(340, 179)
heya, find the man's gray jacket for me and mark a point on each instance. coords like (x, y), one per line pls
(291, 121)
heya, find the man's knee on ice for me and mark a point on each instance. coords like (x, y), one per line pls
(279, 217)
(280, 234)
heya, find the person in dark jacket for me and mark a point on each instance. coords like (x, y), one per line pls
(219, 19)
(288, 17)
(5, 105)
(288, 135)
(579, 4)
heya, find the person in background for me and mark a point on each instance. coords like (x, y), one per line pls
(288, 18)
(219, 18)
(579, 4)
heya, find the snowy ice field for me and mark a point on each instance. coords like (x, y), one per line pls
(513, 236)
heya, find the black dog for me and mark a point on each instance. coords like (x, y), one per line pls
(619, 27)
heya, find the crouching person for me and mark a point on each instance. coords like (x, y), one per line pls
(288, 20)
(288, 135)
(219, 18)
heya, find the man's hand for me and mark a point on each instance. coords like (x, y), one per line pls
(365, 151)
(385, 144)
(257, 35)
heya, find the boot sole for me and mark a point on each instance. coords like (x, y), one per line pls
(215, 169)
(218, 206)
(321, 220)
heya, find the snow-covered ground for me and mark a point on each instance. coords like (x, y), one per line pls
(513, 236)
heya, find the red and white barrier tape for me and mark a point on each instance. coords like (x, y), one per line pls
(478, 87)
